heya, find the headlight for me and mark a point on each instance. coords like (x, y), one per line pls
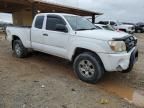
(117, 46)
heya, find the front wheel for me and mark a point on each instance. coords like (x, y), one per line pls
(138, 31)
(88, 67)
(19, 49)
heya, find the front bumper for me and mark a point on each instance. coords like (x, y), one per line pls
(133, 60)
(120, 62)
(131, 30)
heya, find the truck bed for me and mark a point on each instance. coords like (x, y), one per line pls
(23, 32)
(19, 26)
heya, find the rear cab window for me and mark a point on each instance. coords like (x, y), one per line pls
(39, 22)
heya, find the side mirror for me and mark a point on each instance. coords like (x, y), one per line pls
(61, 28)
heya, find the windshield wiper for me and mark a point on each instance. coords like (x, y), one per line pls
(86, 29)
(81, 29)
(92, 29)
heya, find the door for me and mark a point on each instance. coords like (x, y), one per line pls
(37, 33)
(55, 42)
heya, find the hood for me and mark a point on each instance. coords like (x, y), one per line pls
(101, 34)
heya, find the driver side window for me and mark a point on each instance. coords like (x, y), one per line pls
(52, 21)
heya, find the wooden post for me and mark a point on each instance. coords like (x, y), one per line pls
(93, 18)
(34, 10)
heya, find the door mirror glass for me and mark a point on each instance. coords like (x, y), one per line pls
(61, 28)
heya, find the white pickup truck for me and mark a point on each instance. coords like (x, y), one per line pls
(119, 26)
(92, 51)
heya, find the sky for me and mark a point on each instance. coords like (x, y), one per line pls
(5, 17)
(117, 10)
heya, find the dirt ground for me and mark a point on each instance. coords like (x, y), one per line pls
(45, 81)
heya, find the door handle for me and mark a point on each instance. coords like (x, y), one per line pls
(45, 34)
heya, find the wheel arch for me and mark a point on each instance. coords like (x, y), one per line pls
(14, 37)
(79, 50)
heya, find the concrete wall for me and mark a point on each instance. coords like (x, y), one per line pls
(22, 18)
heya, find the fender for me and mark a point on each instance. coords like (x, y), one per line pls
(97, 46)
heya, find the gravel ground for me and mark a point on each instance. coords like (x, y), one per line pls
(45, 81)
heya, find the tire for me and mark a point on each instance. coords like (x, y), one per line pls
(88, 67)
(19, 50)
(139, 31)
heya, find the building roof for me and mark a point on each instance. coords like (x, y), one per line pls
(43, 6)
(67, 7)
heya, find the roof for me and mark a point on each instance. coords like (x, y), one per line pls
(61, 14)
(43, 6)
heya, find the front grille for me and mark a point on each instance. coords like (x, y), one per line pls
(130, 42)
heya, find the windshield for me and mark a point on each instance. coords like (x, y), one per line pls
(79, 23)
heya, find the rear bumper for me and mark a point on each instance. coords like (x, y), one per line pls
(120, 62)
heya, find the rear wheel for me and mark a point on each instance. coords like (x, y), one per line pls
(88, 67)
(19, 49)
